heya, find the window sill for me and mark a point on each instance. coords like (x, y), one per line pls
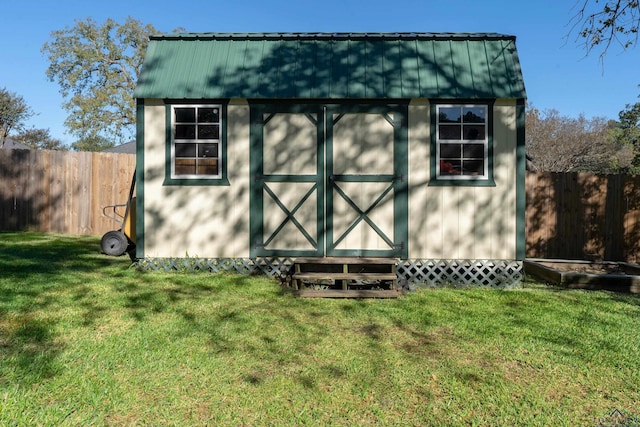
(462, 183)
(196, 182)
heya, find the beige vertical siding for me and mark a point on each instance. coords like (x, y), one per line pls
(362, 145)
(462, 222)
(282, 133)
(505, 141)
(199, 221)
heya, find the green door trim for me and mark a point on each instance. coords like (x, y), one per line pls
(396, 113)
(259, 183)
(398, 182)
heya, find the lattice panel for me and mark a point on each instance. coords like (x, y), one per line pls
(434, 273)
(462, 273)
(272, 267)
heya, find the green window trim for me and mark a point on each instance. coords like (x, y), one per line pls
(169, 179)
(461, 181)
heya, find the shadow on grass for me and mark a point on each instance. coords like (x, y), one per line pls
(24, 253)
(44, 275)
(39, 274)
(31, 349)
(252, 319)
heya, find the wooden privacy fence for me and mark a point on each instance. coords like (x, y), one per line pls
(62, 191)
(568, 215)
(583, 216)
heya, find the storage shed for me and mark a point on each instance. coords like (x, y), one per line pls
(257, 148)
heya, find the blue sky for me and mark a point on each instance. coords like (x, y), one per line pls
(557, 74)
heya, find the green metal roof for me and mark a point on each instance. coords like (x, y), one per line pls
(331, 66)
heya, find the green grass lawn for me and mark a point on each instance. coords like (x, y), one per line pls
(87, 340)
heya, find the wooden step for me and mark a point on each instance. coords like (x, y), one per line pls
(344, 276)
(349, 293)
(346, 260)
(347, 272)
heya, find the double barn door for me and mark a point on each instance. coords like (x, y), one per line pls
(329, 180)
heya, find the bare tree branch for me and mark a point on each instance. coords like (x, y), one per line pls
(599, 25)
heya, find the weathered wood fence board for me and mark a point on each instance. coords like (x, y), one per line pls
(62, 192)
(583, 216)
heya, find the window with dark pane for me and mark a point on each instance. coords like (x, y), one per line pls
(185, 131)
(473, 132)
(208, 131)
(450, 151)
(473, 151)
(196, 141)
(185, 150)
(208, 115)
(462, 143)
(450, 132)
(473, 167)
(185, 115)
(208, 150)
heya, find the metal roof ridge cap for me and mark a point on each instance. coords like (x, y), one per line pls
(334, 36)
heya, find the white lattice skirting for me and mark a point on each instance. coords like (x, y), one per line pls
(462, 273)
(411, 273)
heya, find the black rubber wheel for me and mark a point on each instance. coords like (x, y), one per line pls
(114, 243)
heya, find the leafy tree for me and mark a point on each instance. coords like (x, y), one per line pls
(92, 143)
(630, 122)
(14, 111)
(627, 133)
(97, 67)
(40, 139)
(601, 23)
(557, 143)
